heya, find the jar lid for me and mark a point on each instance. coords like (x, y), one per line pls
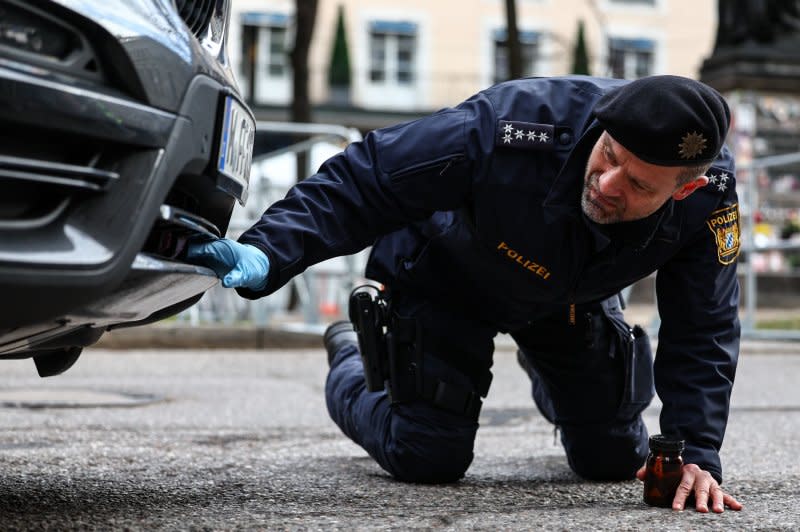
(661, 442)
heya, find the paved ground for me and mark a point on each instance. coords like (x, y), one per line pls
(224, 440)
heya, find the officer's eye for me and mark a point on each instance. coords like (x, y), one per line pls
(638, 186)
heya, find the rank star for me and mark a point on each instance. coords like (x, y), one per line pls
(508, 128)
(723, 177)
(712, 179)
(519, 134)
(531, 136)
(507, 138)
(543, 137)
(721, 187)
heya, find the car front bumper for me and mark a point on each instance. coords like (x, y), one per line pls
(85, 171)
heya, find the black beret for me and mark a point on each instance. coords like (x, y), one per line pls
(666, 120)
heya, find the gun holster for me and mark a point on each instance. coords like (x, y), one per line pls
(369, 314)
(393, 359)
(389, 346)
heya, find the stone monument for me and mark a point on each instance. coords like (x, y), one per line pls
(757, 46)
(755, 64)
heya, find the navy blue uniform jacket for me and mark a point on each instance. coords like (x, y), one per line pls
(479, 205)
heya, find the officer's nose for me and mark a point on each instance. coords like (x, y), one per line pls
(609, 182)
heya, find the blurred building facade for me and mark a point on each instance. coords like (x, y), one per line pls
(409, 58)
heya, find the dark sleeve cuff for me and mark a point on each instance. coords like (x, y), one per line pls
(707, 459)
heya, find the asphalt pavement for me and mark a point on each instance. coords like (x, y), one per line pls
(240, 440)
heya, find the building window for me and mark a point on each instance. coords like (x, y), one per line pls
(265, 60)
(274, 39)
(393, 52)
(631, 58)
(529, 44)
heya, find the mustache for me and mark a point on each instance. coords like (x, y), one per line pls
(593, 191)
(597, 206)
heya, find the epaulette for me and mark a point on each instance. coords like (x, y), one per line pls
(724, 221)
(719, 180)
(525, 135)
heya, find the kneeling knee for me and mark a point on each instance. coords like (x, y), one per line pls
(411, 464)
(606, 456)
(604, 468)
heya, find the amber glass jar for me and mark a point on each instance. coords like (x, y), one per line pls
(663, 470)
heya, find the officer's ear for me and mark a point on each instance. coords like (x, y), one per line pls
(685, 190)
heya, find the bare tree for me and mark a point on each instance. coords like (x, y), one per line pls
(512, 41)
(305, 17)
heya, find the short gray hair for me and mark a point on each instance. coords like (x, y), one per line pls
(689, 173)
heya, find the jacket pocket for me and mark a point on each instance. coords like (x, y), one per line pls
(638, 389)
(440, 184)
(438, 166)
(632, 347)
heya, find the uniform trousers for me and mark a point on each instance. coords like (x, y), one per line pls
(585, 378)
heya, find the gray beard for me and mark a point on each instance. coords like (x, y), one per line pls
(593, 212)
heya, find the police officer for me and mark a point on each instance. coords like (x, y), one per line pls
(525, 210)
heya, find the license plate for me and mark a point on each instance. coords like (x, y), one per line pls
(236, 147)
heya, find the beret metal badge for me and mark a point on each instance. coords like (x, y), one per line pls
(692, 144)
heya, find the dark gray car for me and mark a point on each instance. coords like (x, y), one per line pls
(122, 135)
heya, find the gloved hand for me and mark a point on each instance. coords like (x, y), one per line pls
(238, 265)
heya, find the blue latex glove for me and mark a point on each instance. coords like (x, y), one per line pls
(238, 265)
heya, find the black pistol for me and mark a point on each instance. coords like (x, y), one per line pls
(369, 315)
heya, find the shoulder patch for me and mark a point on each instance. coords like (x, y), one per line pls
(719, 180)
(525, 135)
(724, 225)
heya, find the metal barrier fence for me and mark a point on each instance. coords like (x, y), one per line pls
(322, 290)
(749, 195)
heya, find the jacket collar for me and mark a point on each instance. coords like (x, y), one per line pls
(637, 234)
(564, 197)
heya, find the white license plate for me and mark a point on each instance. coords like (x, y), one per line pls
(236, 144)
